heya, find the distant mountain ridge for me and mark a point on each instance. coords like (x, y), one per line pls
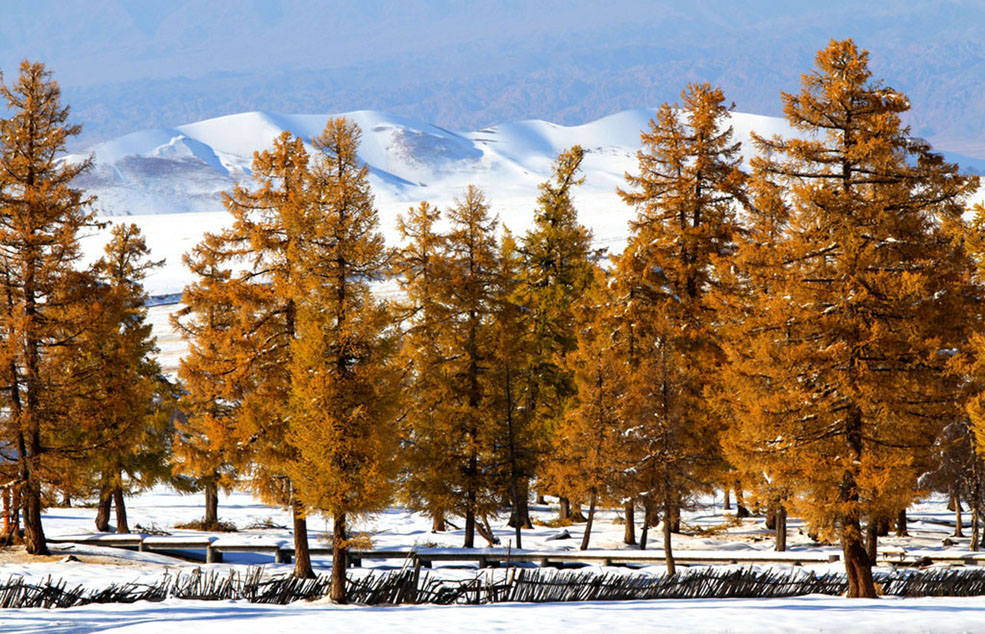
(186, 168)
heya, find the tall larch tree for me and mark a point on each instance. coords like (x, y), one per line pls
(471, 291)
(344, 381)
(129, 393)
(273, 228)
(849, 380)
(686, 193)
(558, 267)
(518, 441)
(591, 437)
(206, 445)
(427, 430)
(41, 215)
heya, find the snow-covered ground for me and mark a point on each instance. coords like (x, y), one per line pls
(780, 616)
(707, 528)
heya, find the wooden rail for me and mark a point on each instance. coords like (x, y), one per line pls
(283, 552)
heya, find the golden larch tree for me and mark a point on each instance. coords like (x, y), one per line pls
(847, 373)
(344, 379)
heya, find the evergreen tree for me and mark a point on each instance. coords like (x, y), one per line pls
(45, 300)
(127, 390)
(427, 429)
(344, 384)
(591, 440)
(846, 374)
(686, 193)
(273, 227)
(471, 294)
(557, 269)
(206, 446)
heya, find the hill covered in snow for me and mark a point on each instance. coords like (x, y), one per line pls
(185, 168)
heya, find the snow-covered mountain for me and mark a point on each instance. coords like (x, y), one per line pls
(185, 169)
(155, 177)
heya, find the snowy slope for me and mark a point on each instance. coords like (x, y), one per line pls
(183, 169)
(159, 175)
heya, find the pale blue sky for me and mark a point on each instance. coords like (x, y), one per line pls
(127, 64)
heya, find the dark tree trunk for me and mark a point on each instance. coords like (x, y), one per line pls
(102, 510)
(574, 512)
(211, 504)
(771, 517)
(901, 524)
(589, 521)
(668, 550)
(302, 556)
(976, 528)
(470, 527)
(121, 510)
(741, 512)
(564, 508)
(857, 564)
(438, 523)
(883, 526)
(340, 558)
(541, 500)
(781, 527)
(675, 523)
(629, 534)
(872, 539)
(34, 540)
(647, 516)
(66, 499)
(727, 502)
(520, 512)
(957, 515)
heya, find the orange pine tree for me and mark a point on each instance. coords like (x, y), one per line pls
(686, 193)
(206, 446)
(846, 375)
(45, 302)
(344, 383)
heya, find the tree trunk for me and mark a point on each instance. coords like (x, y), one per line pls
(646, 523)
(629, 534)
(591, 519)
(957, 515)
(470, 528)
(438, 522)
(66, 499)
(541, 500)
(340, 559)
(302, 556)
(741, 512)
(857, 564)
(882, 527)
(564, 508)
(975, 528)
(727, 503)
(781, 527)
(901, 524)
(33, 531)
(675, 523)
(211, 504)
(102, 510)
(872, 539)
(121, 510)
(668, 551)
(771, 517)
(574, 512)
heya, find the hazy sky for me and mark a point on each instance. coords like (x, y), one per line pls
(127, 64)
